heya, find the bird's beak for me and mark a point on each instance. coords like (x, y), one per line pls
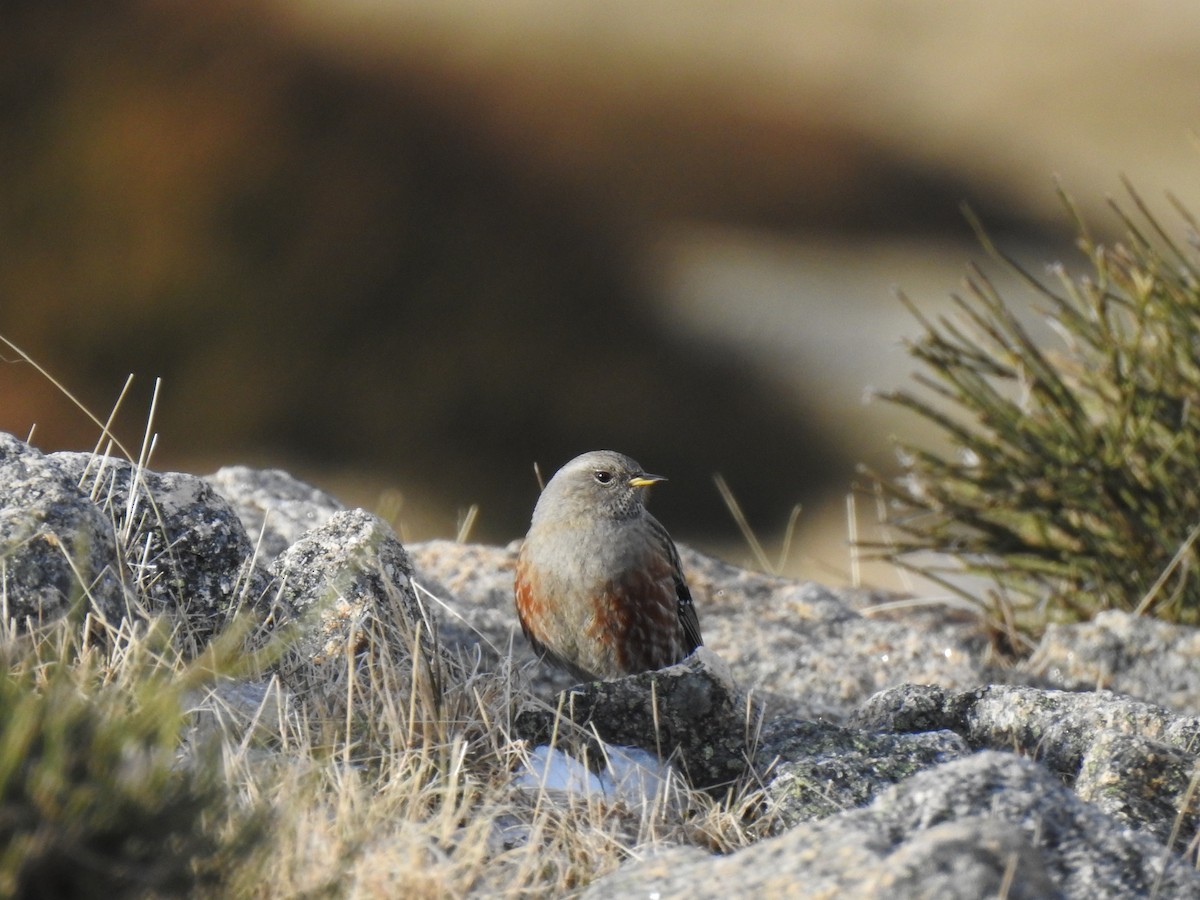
(645, 480)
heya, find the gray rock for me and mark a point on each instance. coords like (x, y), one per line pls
(815, 769)
(347, 586)
(234, 707)
(908, 708)
(471, 584)
(1135, 655)
(478, 576)
(56, 546)
(992, 824)
(691, 714)
(974, 856)
(184, 546)
(822, 667)
(1058, 727)
(1133, 760)
(1146, 784)
(801, 649)
(275, 508)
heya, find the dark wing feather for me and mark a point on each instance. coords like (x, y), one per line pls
(688, 619)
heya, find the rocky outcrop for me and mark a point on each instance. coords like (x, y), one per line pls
(184, 549)
(888, 755)
(691, 714)
(989, 825)
(58, 550)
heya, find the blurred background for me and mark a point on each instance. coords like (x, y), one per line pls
(408, 248)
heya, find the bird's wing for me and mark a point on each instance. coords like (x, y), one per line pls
(686, 608)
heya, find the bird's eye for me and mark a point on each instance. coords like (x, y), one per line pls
(602, 476)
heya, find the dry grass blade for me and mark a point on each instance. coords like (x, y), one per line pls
(105, 433)
(735, 510)
(466, 523)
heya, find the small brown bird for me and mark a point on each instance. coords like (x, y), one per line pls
(599, 588)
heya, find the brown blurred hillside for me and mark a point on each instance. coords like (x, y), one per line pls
(426, 244)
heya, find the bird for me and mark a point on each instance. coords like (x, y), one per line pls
(599, 587)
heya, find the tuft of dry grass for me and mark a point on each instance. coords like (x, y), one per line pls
(390, 789)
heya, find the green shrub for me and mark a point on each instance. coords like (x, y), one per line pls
(1072, 479)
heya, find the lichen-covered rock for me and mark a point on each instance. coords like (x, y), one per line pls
(975, 856)
(691, 714)
(1058, 727)
(345, 584)
(184, 547)
(1140, 656)
(1132, 759)
(1144, 783)
(907, 708)
(275, 508)
(815, 769)
(990, 824)
(479, 577)
(56, 547)
(803, 650)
